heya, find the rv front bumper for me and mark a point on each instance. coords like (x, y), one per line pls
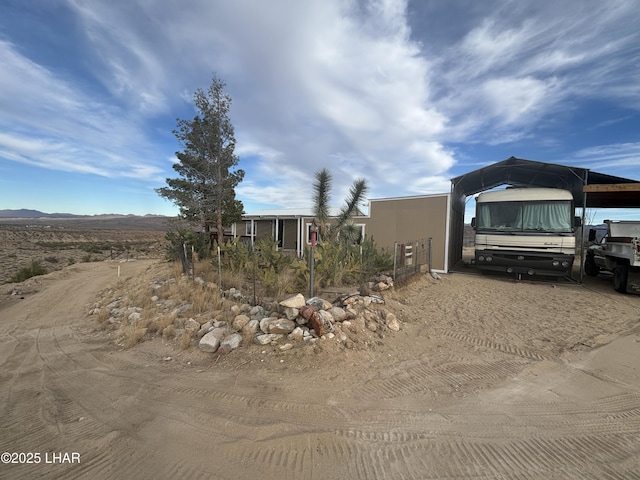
(528, 263)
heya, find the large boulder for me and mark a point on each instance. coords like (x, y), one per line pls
(209, 343)
(296, 301)
(240, 321)
(280, 325)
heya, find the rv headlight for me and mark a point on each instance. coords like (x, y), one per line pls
(489, 258)
(481, 258)
(555, 263)
(565, 264)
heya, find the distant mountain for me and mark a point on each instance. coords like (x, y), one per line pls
(25, 213)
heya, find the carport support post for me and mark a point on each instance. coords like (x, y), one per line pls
(584, 209)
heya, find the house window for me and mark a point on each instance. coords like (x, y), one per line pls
(249, 229)
(358, 232)
(359, 227)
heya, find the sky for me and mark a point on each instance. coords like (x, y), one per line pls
(405, 94)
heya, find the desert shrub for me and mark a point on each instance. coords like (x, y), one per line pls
(373, 260)
(179, 237)
(94, 247)
(35, 268)
(71, 261)
(341, 263)
(272, 268)
(234, 256)
(270, 257)
(51, 259)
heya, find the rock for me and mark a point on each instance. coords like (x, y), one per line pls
(265, 338)
(371, 325)
(209, 343)
(327, 318)
(204, 329)
(280, 325)
(155, 298)
(257, 312)
(338, 314)
(380, 286)
(319, 303)
(307, 311)
(192, 325)
(235, 309)
(134, 317)
(232, 341)
(319, 324)
(296, 301)
(285, 347)
(351, 299)
(239, 322)
(392, 322)
(296, 334)
(291, 313)
(251, 328)
(219, 332)
(264, 324)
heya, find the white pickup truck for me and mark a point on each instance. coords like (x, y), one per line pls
(617, 252)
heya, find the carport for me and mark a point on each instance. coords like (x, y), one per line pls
(590, 190)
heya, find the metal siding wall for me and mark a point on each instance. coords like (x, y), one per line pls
(409, 219)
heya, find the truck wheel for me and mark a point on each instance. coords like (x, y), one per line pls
(590, 267)
(620, 275)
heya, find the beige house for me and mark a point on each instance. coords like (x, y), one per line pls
(394, 223)
(289, 227)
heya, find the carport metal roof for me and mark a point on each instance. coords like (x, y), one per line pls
(593, 188)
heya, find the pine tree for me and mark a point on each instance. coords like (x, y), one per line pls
(205, 189)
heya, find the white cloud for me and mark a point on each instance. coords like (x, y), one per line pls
(525, 62)
(53, 124)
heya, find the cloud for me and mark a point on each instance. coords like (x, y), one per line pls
(51, 123)
(623, 157)
(522, 63)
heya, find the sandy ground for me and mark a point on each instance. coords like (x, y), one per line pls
(489, 378)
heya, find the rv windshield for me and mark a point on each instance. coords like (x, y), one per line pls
(541, 216)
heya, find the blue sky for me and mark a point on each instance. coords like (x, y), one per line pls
(406, 94)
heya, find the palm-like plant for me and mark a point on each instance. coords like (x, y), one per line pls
(330, 230)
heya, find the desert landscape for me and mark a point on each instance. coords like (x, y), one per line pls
(488, 377)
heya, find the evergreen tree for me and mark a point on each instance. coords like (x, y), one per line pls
(205, 188)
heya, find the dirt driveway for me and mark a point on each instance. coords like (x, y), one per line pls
(488, 378)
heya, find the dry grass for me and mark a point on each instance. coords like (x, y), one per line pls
(184, 340)
(232, 280)
(103, 315)
(130, 335)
